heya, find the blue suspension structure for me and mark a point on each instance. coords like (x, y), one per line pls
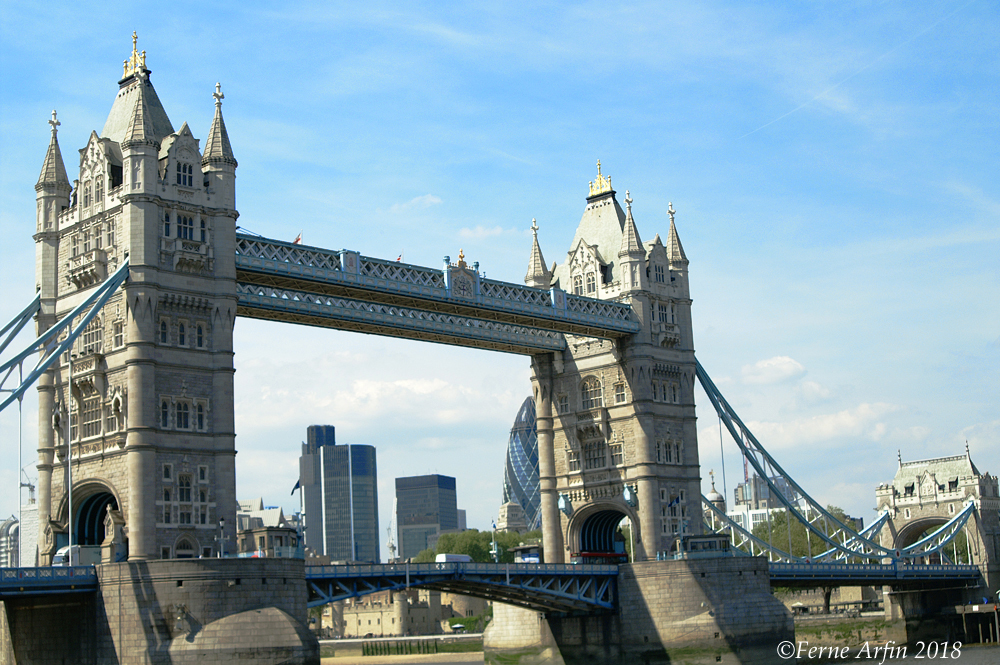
(46, 345)
(844, 543)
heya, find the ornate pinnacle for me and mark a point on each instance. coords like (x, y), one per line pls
(136, 62)
(54, 122)
(534, 225)
(628, 201)
(218, 95)
(602, 184)
(671, 211)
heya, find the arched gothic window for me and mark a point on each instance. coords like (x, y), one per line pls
(164, 414)
(181, 338)
(183, 416)
(591, 283)
(577, 285)
(163, 332)
(590, 393)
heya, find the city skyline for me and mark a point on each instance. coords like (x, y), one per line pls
(830, 172)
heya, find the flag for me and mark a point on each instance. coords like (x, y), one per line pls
(298, 239)
(674, 502)
(298, 484)
(399, 258)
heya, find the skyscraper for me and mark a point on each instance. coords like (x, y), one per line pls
(426, 506)
(339, 497)
(520, 478)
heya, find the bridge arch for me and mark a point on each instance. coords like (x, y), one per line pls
(594, 532)
(91, 499)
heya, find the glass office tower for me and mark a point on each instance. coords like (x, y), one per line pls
(520, 478)
(426, 506)
(339, 497)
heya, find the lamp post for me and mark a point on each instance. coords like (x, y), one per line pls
(221, 538)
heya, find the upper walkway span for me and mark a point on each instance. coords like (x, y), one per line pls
(454, 305)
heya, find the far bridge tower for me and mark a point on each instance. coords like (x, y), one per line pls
(616, 420)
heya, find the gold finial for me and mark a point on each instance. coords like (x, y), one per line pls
(602, 184)
(461, 259)
(136, 62)
(671, 211)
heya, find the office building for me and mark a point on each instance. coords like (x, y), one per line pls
(520, 478)
(426, 507)
(339, 497)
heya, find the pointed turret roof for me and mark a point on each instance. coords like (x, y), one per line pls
(675, 251)
(217, 146)
(53, 169)
(537, 275)
(631, 244)
(140, 127)
(134, 81)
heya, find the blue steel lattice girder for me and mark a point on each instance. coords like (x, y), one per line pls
(272, 263)
(542, 587)
(270, 303)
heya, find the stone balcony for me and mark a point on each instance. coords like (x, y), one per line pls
(88, 268)
(190, 256)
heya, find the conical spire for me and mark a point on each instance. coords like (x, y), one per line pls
(675, 251)
(631, 244)
(140, 127)
(53, 169)
(217, 146)
(538, 276)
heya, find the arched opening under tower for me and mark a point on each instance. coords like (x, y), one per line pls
(957, 551)
(89, 526)
(605, 537)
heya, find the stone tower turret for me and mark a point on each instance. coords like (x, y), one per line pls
(150, 404)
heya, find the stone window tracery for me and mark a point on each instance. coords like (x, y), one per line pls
(185, 227)
(90, 416)
(590, 393)
(595, 455)
(577, 285)
(164, 333)
(165, 418)
(185, 175)
(591, 283)
(658, 273)
(619, 393)
(183, 416)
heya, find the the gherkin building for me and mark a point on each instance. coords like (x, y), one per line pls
(520, 478)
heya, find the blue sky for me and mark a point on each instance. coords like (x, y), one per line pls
(833, 166)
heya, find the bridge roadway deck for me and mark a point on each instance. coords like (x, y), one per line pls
(542, 587)
(887, 574)
(20, 582)
(341, 289)
(536, 586)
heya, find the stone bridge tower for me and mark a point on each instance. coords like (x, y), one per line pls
(146, 398)
(616, 420)
(926, 494)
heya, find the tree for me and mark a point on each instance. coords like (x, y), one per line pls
(799, 541)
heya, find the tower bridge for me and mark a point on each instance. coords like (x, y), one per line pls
(135, 388)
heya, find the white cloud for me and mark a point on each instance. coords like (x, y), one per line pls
(416, 203)
(480, 232)
(812, 392)
(864, 421)
(773, 370)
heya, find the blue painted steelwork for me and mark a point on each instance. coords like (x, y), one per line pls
(896, 574)
(264, 302)
(288, 267)
(540, 587)
(19, 582)
(852, 543)
(46, 344)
